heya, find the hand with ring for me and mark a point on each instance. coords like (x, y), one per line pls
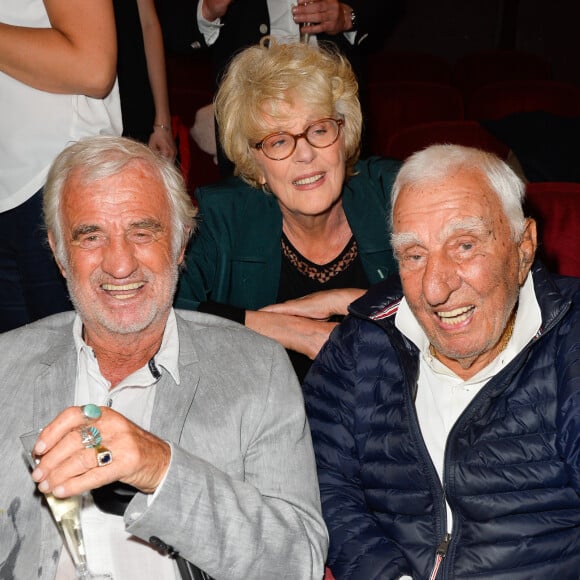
(81, 450)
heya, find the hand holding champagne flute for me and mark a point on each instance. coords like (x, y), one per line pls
(66, 513)
(69, 458)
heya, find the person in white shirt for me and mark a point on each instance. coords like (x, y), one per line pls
(445, 410)
(57, 84)
(202, 458)
(288, 20)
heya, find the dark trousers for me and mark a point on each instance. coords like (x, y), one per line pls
(31, 285)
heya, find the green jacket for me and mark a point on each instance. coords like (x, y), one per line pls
(235, 257)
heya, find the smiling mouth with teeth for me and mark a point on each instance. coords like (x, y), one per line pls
(122, 291)
(308, 180)
(457, 316)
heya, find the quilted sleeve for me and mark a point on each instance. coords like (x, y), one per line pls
(359, 548)
(568, 371)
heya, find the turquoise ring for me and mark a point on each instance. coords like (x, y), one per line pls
(91, 411)
(90, 437)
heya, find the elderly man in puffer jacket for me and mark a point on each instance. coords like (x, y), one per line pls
(445, 409)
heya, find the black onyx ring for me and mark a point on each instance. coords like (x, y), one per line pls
(104, 456)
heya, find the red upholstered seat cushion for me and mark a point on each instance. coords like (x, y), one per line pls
(556, 208)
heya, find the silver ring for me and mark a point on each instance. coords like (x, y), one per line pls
(90, 437)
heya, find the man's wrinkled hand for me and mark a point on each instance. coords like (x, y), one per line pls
(67, 467)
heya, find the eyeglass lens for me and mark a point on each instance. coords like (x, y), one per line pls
(320, 134)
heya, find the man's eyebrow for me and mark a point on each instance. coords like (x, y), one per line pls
(404, 239)
(147, 224)
(84, 229)
(472, 225)
(143, 224)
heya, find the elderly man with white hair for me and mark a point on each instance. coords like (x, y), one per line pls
(445, 410)
(184, 434)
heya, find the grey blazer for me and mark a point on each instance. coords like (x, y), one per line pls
(240, 499)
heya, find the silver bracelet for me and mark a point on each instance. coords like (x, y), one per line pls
(162, 126)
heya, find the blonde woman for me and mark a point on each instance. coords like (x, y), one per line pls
(302, 231)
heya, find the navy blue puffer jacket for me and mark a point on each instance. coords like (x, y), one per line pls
(512, 460)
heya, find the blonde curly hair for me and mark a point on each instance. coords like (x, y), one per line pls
(261, 77)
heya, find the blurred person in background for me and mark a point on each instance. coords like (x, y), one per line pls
(58, 63)
(142, 76)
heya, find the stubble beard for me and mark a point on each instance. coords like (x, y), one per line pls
(92, 313)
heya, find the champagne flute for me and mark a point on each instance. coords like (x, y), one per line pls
(305, 36)
(66, 514)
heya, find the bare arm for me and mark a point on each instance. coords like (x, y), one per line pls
(161, 139)
(77, 55)
(294, 332)
(301, 324)
(318, 305)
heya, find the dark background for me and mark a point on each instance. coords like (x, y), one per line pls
(452, 28)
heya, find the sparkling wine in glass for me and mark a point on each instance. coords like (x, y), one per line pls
(66, 514)
(304, 36)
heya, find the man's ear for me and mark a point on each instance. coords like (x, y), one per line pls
(527, 249)
(52, 245)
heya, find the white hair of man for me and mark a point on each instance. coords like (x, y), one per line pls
(436, 162)
(92, 159)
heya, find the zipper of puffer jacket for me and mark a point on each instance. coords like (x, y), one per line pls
(440, 554)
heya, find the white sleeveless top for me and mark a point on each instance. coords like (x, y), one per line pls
(36, 125)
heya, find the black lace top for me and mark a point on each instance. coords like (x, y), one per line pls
(298, 277)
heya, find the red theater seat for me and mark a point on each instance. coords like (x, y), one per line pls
(394, 105)
(556, 208)
(470, 133)
(391, 65)
(477, 69)
(498, 100)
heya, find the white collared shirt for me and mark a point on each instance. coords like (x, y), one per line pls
(442, 396)
(109, 547)
(282, 25)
